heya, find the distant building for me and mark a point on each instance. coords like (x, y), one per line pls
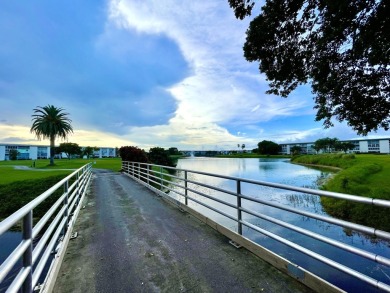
(380, 145)
(34, 152)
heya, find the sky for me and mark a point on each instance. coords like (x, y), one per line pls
(147, 73)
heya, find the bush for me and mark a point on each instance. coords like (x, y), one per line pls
(133, 154)
(159, 156)
(19, 193)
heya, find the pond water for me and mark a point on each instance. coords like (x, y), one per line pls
(284, 172)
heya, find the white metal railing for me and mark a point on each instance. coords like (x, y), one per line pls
(54, 226)
(155, 178)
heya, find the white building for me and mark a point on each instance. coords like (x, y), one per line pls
(34, 152)
(380, 145)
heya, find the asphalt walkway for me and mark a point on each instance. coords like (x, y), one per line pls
(130, 240)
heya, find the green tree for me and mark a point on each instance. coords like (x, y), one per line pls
(88, 151)
(173, 151)
(296, 149)
(159, 156)
(51, 122)
(326, 144)
(344, 146)
(267, 147)
(133, 154)
(69, 148)
(13, 155)
(340, 47)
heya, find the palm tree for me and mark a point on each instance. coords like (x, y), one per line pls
(50, 122)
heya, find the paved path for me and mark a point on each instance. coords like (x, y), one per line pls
(130, 240)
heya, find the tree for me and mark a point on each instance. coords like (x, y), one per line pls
(326, 144)
(69, 148)
(243, 147)
(267, 147)
(296, 149)
(88, 151)
(340, 47)
(51, 122)
(159, 156)
(13, 155)
(173, 151)
(344, 146)
(133, 154)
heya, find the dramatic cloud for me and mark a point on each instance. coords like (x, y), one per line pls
(146, 73)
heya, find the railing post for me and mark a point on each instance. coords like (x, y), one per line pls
(147, 174)
(132, 169)
(161, 178)
(66, 203)
(78, 187)
(27, 256)
(239, 213)
(185, 189)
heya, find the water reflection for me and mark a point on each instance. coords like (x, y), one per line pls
(281, 171)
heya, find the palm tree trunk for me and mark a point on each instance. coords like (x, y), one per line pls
(52, 138)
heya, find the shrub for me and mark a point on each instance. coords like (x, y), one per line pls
(159, 156)
(133, 154)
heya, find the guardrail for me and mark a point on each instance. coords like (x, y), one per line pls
(52, 229)
(154, 177)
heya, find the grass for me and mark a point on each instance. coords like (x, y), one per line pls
(9, 174)
(17, 194)
(18, 187)
(364, 175)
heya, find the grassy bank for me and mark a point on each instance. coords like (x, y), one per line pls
(17, 194)
(364, 175)
(20, 186)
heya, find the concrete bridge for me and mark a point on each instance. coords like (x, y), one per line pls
(130, 240)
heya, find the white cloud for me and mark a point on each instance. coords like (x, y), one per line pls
(218, 91)
(157, 72)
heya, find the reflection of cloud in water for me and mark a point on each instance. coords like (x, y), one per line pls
(278, 171)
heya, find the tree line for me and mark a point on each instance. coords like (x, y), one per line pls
(156, 155)
(325, 145)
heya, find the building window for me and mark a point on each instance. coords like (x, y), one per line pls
(373, 146)
(42, 153)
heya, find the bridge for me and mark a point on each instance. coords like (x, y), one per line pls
(139, 231)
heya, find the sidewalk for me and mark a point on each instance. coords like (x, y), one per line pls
(130, 240)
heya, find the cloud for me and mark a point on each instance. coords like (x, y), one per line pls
(100, 73)
(146, 73)
(218, 91)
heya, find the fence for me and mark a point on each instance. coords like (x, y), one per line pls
(52, 229)
(188, 190)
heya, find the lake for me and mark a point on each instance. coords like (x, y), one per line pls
(284, 172)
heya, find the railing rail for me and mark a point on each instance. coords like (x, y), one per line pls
(155, 178)
(51, 230)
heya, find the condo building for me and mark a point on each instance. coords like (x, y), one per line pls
(34, 152)
(380, 145)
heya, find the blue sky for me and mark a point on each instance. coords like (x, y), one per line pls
(145, 73)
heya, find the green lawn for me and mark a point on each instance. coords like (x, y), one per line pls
(364, 175)
(18, 187)
(8, 172)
